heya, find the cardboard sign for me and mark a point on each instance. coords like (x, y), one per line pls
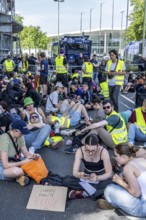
(49, 198)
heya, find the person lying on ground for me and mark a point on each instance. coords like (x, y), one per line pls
(39, 132)
(71, 116)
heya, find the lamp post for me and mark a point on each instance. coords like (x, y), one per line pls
(81, 22)
(122, 12)
(113, 14)
(58, 20)
(90, 20)
(127, 26)
(101, 14)
(144, 28)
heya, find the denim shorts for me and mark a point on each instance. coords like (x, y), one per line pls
(75, 117)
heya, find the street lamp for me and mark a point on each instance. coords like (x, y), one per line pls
(113, 14)
(58, 19)
(101, 13)
(127, 26)
(122, 12)
(90, 20)
(81, 22)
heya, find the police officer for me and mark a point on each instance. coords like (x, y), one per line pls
(8, 66)
(62, 69)
(87, 71)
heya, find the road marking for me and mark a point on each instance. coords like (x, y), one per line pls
(124, 105)
(128, 99)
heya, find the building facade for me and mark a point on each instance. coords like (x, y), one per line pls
(9, 28)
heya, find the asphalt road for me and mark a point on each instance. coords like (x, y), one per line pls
(14, 198)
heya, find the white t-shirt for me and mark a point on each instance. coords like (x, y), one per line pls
(112, 82)
(54, 100)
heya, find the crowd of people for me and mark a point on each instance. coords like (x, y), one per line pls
(34, 109)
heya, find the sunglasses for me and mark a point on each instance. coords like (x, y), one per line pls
(106, 107)
(34, 116)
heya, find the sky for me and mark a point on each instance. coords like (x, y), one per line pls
(44, 13)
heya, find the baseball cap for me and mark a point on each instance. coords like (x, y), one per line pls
(21, 126)
(59, 84)
(28, 101)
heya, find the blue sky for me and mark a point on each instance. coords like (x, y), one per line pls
(44, 13)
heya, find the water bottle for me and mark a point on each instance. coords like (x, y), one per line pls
(32, 150)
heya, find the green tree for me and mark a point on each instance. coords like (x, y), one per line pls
(33, 38)
(135, 30)
(19, 18)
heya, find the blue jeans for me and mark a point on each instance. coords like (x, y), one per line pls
(134, 133)
(37, 138)
(95, 75)
(120, 198)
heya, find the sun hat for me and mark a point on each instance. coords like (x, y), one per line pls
(28, 101)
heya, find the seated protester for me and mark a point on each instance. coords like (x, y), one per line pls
(75, 76)
(97, 170)
(5, 118)
(29, 108)
(98, 115)
(86, 96)
(71, 117)
(9, 95)
(39, 132)
(31, 92)
(53, 99)
(115, 130)
(130, 84)
(14, 79)
(137, 126)
(75, 90)
(129, 192)
(12, 170)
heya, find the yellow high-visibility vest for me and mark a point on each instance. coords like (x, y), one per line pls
(119, 135)
(104, 89)
(88, 70)
(140, 122)
(60, 68)
(119, 79)
(9, 65)
(75, 75)
(61, 120)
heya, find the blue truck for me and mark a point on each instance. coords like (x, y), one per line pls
(73, 47)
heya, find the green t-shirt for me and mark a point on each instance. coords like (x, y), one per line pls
(6, 144)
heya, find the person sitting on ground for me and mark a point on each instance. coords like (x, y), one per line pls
(5, 119)
(86, 96)
(137, 126)
(12, 170)
(129, 192)
(29, 108)
(31, 92)
(53, 99)
(75, 90)
(39, 132)
(97, 169)
(115, 132)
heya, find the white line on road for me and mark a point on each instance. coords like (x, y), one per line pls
(124, 105)
(128, 99)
